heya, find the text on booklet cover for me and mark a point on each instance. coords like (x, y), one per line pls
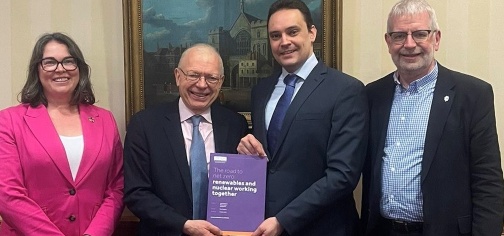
(236, 192)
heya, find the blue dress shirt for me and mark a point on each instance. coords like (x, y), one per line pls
(404, 147)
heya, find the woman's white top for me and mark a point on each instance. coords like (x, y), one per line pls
(74, 147)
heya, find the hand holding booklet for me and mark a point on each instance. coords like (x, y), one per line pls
(236, 192)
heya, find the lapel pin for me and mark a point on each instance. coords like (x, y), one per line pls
(446, 98)
(91, 119)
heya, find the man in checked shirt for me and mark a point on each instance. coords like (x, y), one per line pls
(433, 164)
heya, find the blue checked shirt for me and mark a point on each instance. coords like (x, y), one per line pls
(404, 148)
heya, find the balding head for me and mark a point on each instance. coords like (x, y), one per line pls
(199, 77)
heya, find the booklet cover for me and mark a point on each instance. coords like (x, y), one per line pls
(236, 192)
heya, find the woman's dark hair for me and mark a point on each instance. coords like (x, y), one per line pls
(33, 93)
(292, 4)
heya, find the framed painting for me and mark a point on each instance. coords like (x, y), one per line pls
(156, 33)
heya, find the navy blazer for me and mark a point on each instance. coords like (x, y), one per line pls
(321, 150)
(157, 174)
(461, 176)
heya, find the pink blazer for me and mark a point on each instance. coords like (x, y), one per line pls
(37, 193)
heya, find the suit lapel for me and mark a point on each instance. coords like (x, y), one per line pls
(317, 75)
(40, 124)
(92, 131)
(381, 108)
(174, 135)
(441, 104)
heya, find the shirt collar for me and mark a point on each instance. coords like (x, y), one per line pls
(305, 69)
(419, 84)
(186, 113)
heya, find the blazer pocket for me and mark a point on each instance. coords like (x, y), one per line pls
(309, 116)
(465, 224)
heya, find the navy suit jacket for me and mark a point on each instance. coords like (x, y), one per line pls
(320, 153)
(157, 175)
(461, 176)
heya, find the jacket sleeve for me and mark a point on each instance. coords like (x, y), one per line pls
(17, 209)
(487, 186)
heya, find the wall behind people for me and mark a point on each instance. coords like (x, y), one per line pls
(470, 43)
(95, 25)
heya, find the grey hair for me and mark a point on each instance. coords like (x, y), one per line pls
(205, 47)
(412, 7)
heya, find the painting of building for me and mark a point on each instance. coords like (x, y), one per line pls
(240, 36)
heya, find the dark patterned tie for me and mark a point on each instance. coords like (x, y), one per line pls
(280, 110)
(199, 171)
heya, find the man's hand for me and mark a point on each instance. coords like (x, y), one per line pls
(249, 145)
(269, 227)
(200, 228)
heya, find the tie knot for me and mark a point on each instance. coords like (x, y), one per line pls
(196, 120)
(290, 80)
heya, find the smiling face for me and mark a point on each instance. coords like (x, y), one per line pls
(58, 84)
(413, 60)
(199, 95)
(291, 41)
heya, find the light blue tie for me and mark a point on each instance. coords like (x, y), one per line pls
(199, 171)
(280, 110)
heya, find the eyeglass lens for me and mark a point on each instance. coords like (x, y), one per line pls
(51, 64)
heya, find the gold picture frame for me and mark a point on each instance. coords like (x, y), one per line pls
(133, 47)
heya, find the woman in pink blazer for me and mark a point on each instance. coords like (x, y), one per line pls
(60, 156)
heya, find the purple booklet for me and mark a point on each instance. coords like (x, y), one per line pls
(236, 192)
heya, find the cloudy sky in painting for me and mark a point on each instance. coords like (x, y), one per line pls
(180, 22)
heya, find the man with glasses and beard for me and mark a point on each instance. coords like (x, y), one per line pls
(433, 166)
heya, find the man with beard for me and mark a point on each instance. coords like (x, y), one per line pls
(433, 166)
